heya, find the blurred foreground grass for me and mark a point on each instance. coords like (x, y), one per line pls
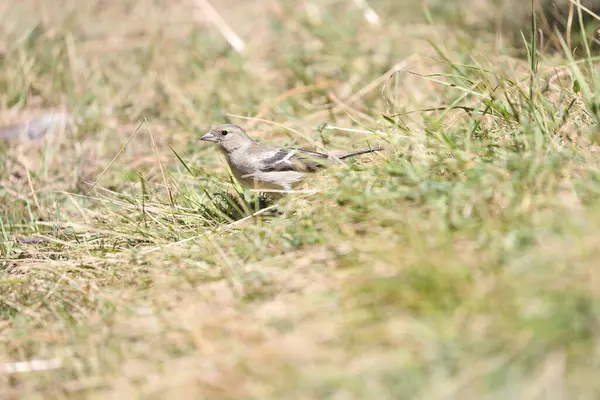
(460, 263)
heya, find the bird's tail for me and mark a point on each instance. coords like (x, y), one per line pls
(361, 151)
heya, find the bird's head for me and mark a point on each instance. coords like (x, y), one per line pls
(229, 137)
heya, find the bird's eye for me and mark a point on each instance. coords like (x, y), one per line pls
(224, 133)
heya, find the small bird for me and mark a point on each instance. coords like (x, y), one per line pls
(264, 167)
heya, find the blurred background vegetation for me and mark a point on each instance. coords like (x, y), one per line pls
(459, 263)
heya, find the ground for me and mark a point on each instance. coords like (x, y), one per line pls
(461, 262)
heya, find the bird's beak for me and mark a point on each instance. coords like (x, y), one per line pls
(209, 137)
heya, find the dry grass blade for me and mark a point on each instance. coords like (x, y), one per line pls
(578, 4)
(370, 14)
(290, 93)
(160, 165)
(114, 158)
(215, 18)
(374, 84)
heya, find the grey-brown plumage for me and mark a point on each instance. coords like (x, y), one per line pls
(261, 166)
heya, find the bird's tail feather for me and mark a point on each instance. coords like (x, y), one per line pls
(362, 151)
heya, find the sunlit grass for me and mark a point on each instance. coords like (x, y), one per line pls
(458, 263)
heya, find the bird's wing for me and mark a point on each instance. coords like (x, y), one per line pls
(294, 160)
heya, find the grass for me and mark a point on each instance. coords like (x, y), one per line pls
(459, 263)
